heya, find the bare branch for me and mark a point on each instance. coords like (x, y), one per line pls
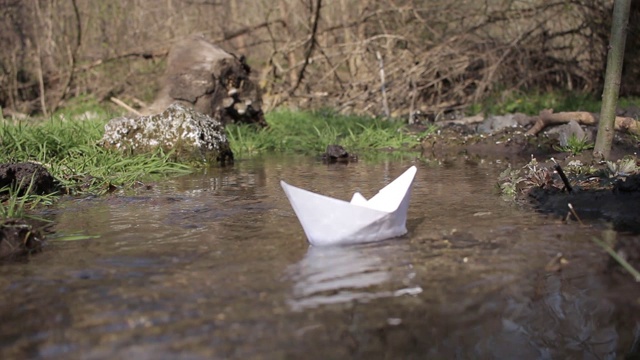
(311, 45)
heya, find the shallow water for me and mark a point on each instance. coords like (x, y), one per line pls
(215, 265)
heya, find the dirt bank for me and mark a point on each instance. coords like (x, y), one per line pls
(545, 175)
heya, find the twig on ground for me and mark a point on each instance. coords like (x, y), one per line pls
(575, 214)
(140, 103)
(558, 169)
(125, 106)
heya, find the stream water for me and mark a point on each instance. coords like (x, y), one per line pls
(215, 265)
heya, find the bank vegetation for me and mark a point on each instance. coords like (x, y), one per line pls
(373, 57)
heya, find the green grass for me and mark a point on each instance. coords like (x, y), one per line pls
(532, 102)
(69, 150)
(66, 145)
(311, 132)
(18, 206)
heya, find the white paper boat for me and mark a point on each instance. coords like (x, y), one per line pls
(329, 221)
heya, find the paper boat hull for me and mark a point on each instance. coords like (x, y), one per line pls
(329, 221)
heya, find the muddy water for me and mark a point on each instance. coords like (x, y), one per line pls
(215, 265)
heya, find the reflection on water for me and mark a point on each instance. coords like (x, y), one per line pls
(330, 275)
(560, 320)
(215, 266)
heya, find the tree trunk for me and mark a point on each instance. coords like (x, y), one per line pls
(612, 78)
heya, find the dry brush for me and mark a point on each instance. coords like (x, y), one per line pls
(434, 56)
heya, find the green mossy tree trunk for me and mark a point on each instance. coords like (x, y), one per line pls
(612, 78)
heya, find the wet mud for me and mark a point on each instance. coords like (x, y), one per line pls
(570, 187)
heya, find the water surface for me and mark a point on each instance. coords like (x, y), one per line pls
(215, 265)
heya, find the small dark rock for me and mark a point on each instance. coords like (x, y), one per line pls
(19, 238)
(28, 176)
(336, 153)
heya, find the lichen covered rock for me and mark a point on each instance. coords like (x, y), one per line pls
(190, 135)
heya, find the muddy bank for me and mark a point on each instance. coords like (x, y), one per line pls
(601, 189)
(22, 237)
(593, 192)
(513, 142)
(604, 197)
(614, 206)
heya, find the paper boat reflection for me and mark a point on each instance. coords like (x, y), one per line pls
(329, 275)
(329, 221)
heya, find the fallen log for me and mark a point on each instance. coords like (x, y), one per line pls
(547, 117)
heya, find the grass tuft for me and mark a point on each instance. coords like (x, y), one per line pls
(311, 132)
(66, 145)
(575, 145)
(16, 206)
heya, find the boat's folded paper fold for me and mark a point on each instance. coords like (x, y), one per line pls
(330, 221)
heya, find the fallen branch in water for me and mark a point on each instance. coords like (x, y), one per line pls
(547, 117)
(575, 214)
(618, 258)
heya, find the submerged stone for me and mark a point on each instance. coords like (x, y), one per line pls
(18, 238)
(336, 153)
(189, 135)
